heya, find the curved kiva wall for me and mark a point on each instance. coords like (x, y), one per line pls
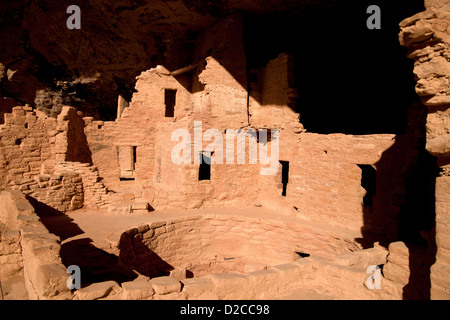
(199, 245)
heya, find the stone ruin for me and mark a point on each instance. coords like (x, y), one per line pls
(107, 197)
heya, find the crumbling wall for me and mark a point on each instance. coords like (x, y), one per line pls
(27, 139)
(70, 141)
(140, 126)
(219, 83)
(272, 95)
(31, 143)
(208, 93)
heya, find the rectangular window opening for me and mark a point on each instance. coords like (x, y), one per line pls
(284, 176)
(204, 171)
(170, 101)
(134, 157)
(368, 182)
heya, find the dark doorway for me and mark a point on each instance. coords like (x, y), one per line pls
(204, 171)
(170, 100)
(368, 182)
(284, 176)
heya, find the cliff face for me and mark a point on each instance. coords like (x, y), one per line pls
(46, 65)
(42, 62)
(427, 37)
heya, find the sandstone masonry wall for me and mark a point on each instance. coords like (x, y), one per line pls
(62, 192)
(26, 140)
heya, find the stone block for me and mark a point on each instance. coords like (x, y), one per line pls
(143, 228)
(11, 259)
(139, 289)
(10, 269)
(289, 271)
(119, 209)
(165, 285)
(11, 236)
(198, 288)
(97, 290)
(27, 218)
(254, 266)
(149, 234)
(9, 248)
(24, 206)
(178, 273)
(232, 286)
(265, 283)
(396, 273)
(50, 280)
(139, 206)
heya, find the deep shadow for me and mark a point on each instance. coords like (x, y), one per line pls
(349, 79)
(135, 255)
(403, 207)
(77, 144)
(96, 265)
(368, 182)
(284, 176)
(55, 221)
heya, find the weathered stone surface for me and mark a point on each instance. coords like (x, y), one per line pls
(198, 288)
(97, 290)
(138, 289)
(165, 285)
(50, 280)
(231, 285)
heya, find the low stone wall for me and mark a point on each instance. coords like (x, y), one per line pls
(45, 275)
(11, 262)
(341, 278)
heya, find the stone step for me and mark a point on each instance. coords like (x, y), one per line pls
(128, 208)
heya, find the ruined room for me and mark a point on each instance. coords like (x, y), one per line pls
(215, 150)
